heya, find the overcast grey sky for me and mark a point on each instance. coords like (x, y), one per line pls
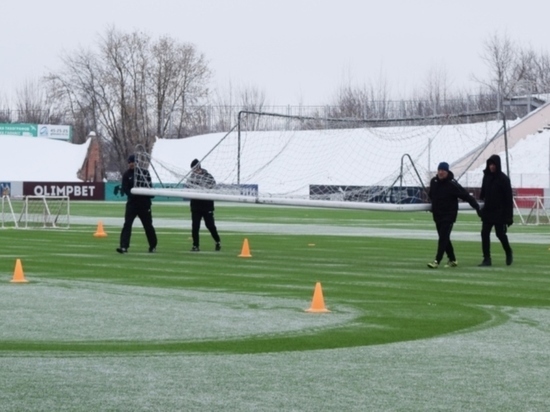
(296, 51)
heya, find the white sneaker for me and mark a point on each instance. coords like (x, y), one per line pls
(433, 265)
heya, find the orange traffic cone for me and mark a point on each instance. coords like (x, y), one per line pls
(318, 302)
(18, 275)
(100, 232)
(245, 252)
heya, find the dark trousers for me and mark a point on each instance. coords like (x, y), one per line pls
(208, 216)
(143, 211)
(500, 230)
(444, 244)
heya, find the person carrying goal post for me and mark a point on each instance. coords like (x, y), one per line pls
(202, 209)
(136, 206)
(444, 193)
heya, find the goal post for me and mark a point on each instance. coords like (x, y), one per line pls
(8, 214)
(45, 212)
(532, 210)
(278, 159)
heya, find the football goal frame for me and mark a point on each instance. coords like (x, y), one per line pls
(371, 164)
(532, 210)
(43, 212)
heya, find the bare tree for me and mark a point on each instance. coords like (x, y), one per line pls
(500, 54)
(5, 112)
(226, 108)
(362, 102)
(32, 105)
(233, 99)
(542, 73)
(436, 90)
(132, 88)
(525, 71)
(532, 71)
(182, 75)
(253, 99)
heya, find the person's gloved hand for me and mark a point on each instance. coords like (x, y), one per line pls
(479, 212)
(510, 222)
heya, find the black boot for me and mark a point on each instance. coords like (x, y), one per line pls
(486, 262)
(509, 258)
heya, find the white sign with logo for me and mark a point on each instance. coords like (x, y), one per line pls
(54, 132)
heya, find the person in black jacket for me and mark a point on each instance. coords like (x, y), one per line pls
(202, 209)
(444, 194)
(136, 206)
(498, 209)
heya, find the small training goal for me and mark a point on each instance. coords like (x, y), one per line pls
(36, 212)
(532, 210)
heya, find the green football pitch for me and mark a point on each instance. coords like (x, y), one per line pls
(212, 331)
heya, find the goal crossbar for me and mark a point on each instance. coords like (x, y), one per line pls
(279, 201)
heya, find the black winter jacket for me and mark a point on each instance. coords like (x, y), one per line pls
(129, 181)
(201, 179)
(444, 194)
(496, 192)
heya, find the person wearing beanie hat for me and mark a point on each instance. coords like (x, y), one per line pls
(202, 209)
(444, 194)
(136, 206)
(498, 209)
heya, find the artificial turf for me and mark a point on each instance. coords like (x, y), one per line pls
(379, 286)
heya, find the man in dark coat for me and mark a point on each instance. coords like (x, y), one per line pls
(136, 206)
(498, 209)
(202, 209)
(444, 194)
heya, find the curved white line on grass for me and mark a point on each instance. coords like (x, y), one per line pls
(85, 311)
(502, 368)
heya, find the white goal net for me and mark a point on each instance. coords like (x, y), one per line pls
(308, 161)
(36, 212)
